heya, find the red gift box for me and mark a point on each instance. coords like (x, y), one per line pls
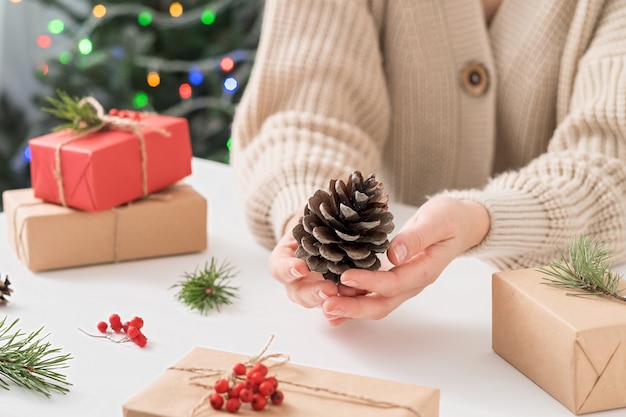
(108, 168)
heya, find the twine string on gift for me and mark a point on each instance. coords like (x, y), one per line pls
(112, 122)
(201, 373)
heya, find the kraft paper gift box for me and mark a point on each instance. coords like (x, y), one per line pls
(108, 168)
(572, 347)
(172, 395)
(48, 236)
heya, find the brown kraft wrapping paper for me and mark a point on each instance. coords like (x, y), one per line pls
(572, 347)
(172, 395)
(48, 236)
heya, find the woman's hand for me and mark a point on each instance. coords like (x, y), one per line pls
(303, 287)
(442, 229)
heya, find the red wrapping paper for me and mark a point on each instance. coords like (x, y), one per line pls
(104, 169)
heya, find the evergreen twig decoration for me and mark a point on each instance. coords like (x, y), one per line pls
(585, 269)
(80, 116)
(30, 362)
(208, 288)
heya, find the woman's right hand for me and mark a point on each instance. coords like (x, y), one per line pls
(303, 287)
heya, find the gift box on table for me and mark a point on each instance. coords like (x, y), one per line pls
(172, 395)
(49, 236)
(108, 168)
(572, 347)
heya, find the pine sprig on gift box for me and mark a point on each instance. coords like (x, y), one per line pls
(80, 116)
(28, 361)
(208, 288)
(585, 269)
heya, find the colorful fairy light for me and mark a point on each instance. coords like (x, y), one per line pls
(144, 18)
(42, 69)
(44, 41)
(207, 17)
(65, 57)
(153, 78)
(230, 85)
(140, 100)
(227, 64)
(56, 26)
(26, 156)
(176, 9)
(195, 76)
(185, 91)
(85, 46)
(99, 11)
(229, 143)
(16, 1)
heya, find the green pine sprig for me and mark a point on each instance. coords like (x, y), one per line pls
(80, 117)
(585, 269)
(28, 361)
(208, 288)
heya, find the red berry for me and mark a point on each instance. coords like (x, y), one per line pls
(232, 405)
(273, 380)
(136, 322)
(221, 386)
(217, 401)
(239, 369)
(245, 395)
(132, 332)
(140, 340)
(113, 112)
(102, 327)
(266, 388)
(258, 402)
(256, 377)
(259, 367)
(116, 322)
(277, 397)
(234, 392)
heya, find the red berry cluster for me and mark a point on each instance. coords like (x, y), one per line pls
(251, 385)
(132, 328)
(126, 114)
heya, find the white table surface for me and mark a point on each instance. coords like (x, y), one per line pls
(442, 338)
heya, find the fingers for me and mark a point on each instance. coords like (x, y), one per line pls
(311, 292)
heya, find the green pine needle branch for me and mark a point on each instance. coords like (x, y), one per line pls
(585, 269)
(80, 117)
(208, 288)
(29, 361)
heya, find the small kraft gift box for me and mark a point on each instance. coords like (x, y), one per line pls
(574, 347)
(125, 156)
(48, 236)
(182, 390)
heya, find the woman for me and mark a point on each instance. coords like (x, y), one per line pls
(504, 121)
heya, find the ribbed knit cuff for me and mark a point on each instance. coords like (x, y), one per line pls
(518, 222)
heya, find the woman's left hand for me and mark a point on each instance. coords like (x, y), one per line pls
(440, 230)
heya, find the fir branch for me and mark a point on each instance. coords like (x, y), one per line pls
(29, 361)
(585, 269)
(80, 117)
(208, 288)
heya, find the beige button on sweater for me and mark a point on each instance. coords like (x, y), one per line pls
(377, 86)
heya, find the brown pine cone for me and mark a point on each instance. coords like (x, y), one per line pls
(345, 227)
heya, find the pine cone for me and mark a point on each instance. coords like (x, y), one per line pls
(345, 227)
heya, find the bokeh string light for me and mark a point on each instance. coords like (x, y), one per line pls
(196, 82)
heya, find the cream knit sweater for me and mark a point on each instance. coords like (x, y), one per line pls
(376, 85)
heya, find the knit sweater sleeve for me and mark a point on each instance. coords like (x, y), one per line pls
(316, 108)
(579, 184)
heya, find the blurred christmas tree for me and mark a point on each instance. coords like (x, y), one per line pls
(190, 59)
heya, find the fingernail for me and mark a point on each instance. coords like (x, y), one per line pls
(294, 273)
(400, 252)
(336, 313)
(350, 283)
(322, 295)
